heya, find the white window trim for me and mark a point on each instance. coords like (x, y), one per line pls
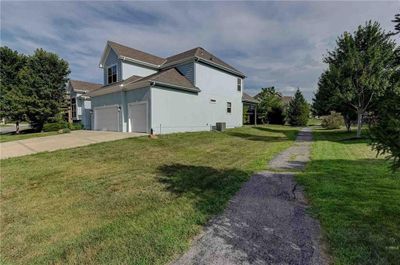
(116, 72)
(241, 84)
(227, 107)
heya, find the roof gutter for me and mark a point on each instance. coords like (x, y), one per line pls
(220, 67)
(153, 83)
(155, 66)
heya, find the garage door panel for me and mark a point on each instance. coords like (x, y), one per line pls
(138, 117)
(106, 119)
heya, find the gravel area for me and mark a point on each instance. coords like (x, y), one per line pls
(266, 222)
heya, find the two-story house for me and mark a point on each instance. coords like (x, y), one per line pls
(190, 91)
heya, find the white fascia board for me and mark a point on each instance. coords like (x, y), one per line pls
(153, 66)
(104, 55)
(189, 89)
(221, 67)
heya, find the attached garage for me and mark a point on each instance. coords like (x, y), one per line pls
(138, 117)
(106, 118)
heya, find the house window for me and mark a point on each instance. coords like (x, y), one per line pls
(112, 74)
(228, 107)
(239, 84)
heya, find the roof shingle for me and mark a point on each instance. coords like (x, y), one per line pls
(132, 53)
(84, 86)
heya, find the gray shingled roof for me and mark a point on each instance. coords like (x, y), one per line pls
(199, 53)
(196, 53)
(247, 98)
(170, 78)
(84, 86)
(132, 53)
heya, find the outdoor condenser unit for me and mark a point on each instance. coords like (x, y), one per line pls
(221, 126)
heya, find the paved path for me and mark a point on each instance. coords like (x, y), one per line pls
(266, 222)
(56, 142)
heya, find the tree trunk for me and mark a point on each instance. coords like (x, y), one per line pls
(347, 122)
(359, 122)
(17, 127)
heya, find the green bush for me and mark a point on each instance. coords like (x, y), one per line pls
(55, 126)
(75, 126)
(65, 130)
(333, 121)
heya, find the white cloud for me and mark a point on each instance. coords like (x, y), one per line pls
(279, 44)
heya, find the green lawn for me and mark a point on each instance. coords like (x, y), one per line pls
(133, 201)
(356, 198)
(23, 135)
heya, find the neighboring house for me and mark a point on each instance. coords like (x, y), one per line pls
(286, 100)
(249, 109)
(190, 91)
(80, 105)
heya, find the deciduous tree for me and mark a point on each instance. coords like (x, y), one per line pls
(43, 81)
(360, 68)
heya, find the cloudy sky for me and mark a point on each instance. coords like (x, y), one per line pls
(277, 44)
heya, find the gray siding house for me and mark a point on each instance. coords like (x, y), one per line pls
(190, 91)
(80, 104)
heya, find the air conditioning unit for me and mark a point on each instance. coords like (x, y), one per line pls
(221, 126)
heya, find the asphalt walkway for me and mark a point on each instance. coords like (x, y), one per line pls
(267, 221)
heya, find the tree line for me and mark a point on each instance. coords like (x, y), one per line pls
(32, 87)
(362, 82)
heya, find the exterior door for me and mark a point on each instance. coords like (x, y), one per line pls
(137, 117)
(106, 118)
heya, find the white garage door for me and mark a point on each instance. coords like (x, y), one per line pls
(137, 117)
(106, 118)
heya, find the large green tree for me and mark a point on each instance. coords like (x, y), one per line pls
(298, 110)
(385, 129)
(325, 101)
(360, 68)
(42, 82)
(11, 98)
(270, 107)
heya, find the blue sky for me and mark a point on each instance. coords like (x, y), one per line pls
(277, 44)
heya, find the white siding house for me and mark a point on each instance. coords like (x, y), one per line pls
(191, 91)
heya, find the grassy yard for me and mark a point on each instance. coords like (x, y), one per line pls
(23, 135)
(133, 201)
(356, 198)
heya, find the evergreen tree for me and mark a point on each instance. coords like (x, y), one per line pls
(298, 111)
(385, 129)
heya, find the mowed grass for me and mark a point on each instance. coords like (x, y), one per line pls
(133, 201)
(356, 197)
(8, 137)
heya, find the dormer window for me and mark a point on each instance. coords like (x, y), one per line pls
(112, 74)
(239, 84)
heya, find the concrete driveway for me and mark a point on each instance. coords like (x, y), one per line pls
(56, 142)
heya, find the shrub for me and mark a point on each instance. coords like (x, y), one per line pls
(55, 126)
(333, 121)
(75, 126)
(65, 130)
(276, 116)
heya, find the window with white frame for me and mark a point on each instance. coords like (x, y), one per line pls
(229, 107)
(239, 84)
(112, 74)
